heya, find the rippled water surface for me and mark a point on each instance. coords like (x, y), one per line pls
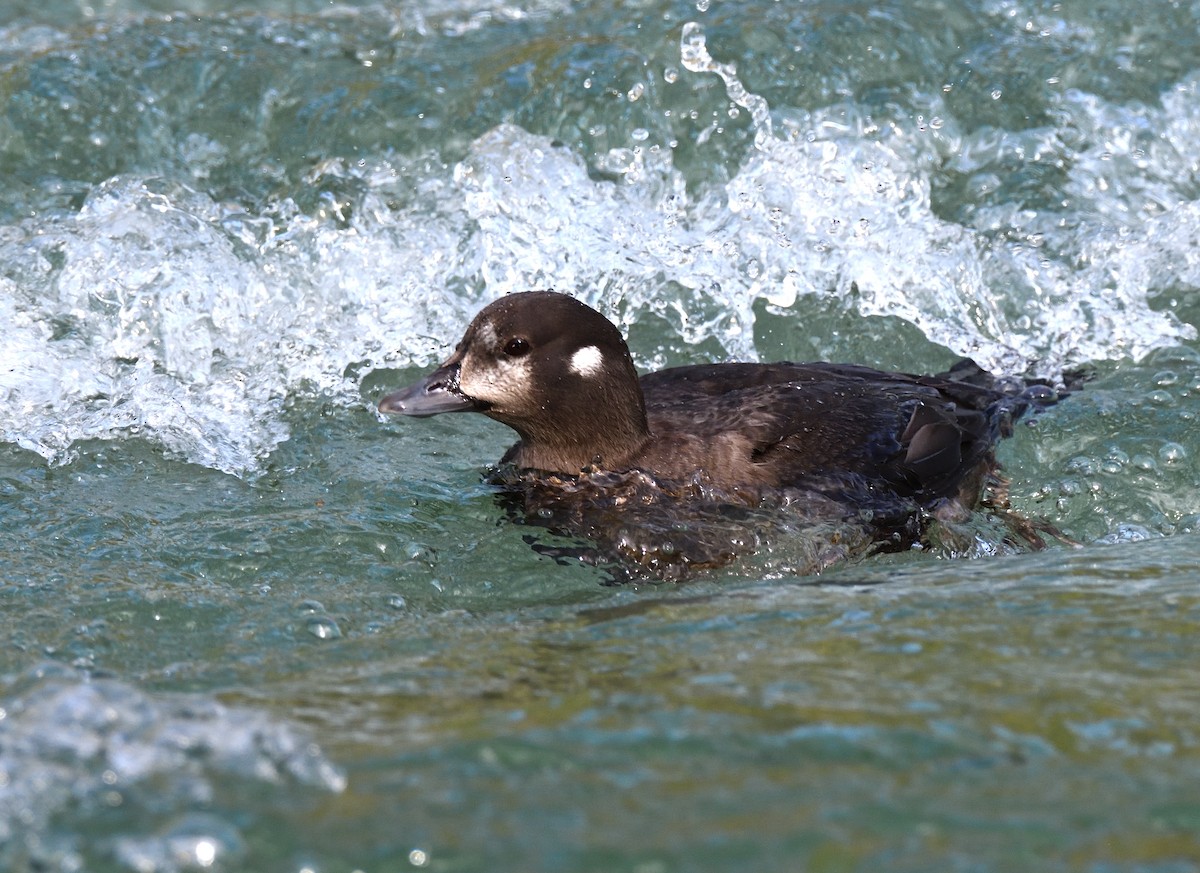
(249, 625)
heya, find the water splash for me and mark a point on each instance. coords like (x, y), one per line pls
(844, 215)
(693, 54)
(94, 746)
(156, 311)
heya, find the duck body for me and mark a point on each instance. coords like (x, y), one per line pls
(597, 440)
(833, 428)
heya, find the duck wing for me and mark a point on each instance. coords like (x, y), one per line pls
(851, 432)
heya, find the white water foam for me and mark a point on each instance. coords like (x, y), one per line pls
(852, 216)
(155, 311)
(92, 746)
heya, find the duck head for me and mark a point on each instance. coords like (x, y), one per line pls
(550, 367)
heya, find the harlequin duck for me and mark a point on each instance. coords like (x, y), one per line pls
(638, 465)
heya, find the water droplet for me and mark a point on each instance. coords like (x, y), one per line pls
(310, 606)
(206, 852)
(1188, 524)
(636, 92)
(397, 601)
(702, 5)
(997, 94)
(694, 55)
(671, 75)
(323, 628)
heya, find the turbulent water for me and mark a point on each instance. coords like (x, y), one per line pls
(250, 625)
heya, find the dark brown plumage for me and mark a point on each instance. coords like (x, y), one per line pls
(840, 441)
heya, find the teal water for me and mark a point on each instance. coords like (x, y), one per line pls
(249, 625)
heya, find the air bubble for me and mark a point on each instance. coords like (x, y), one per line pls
(1115, 461)
(1145, 463)
(1127, 532)
(1172, 453)
(1082, 465)
(420, 553)
(323, 628)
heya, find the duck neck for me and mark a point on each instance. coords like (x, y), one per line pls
(604, 425)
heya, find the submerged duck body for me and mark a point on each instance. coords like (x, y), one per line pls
(598, 444)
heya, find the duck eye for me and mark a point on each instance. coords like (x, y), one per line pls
(516, 347)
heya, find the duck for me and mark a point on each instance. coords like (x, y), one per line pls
(640, 463)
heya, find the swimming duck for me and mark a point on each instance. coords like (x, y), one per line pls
(829, 441)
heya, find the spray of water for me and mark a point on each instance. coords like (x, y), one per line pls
(157, 312)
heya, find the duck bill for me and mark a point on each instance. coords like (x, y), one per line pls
(436, 393)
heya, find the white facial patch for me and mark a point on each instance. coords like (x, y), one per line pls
(587, 362)
(502, 382)
(497, 379)
(485, 335)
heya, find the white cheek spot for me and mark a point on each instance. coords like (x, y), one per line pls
(588, 361)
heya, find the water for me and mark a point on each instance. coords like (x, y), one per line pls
(251, 626)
